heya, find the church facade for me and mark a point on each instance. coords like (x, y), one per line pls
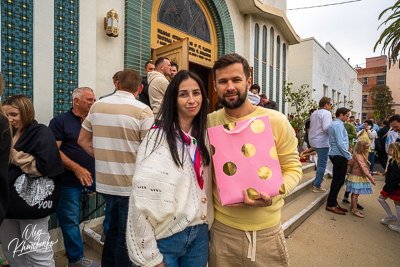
(50, 47)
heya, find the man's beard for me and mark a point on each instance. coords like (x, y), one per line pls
(235, 103)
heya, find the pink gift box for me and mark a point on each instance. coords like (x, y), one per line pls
(244, 156)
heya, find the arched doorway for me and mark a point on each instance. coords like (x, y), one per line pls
(183, 31)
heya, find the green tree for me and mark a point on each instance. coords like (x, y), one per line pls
(382, 102)
(391, 35)
(301, 100)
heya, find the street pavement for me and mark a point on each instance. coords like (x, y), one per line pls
(329, 239)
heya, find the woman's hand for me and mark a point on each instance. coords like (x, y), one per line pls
(161, 265)
(377, 173)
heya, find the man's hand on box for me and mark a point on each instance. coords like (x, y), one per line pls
(264, 201)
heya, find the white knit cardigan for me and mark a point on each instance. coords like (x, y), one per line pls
(164, 200)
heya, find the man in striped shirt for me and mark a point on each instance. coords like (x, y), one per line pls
(111, 133)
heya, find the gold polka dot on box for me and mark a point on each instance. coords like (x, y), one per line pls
(245, 157)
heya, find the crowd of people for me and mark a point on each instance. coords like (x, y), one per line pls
(352, 147)
(144, 148)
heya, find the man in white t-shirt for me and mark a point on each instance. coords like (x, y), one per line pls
(318, 138)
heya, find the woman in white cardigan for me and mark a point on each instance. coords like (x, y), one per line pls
(170, 207)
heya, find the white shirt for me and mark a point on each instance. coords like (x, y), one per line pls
(254, 99)
(320, 121)
(391, 138)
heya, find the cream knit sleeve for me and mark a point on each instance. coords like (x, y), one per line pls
(151, 203)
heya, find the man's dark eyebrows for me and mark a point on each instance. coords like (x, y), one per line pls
(233, 78)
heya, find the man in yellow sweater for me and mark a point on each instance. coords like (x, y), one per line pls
(231, 241)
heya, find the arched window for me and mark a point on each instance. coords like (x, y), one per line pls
(188, 18)
(264, 52)
(256, 52)
(278, 71)
(264, 60)
(271, 63)
(278, 55)
(283, 76)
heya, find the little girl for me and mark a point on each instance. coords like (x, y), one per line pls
(391, 188)
(359, 179)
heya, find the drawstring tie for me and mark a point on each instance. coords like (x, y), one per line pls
(251, 253)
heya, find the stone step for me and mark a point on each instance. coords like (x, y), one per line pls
(301, 203)
(308, 167)
(304, 186)
(92, 238)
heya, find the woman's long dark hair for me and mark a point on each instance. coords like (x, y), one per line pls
(168, 119)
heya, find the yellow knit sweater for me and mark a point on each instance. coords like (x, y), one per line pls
(258, 218)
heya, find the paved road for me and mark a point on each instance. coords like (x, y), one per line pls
(328, 239)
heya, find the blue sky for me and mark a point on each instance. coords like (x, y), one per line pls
(351, 28)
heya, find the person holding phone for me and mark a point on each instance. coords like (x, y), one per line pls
(369, 134)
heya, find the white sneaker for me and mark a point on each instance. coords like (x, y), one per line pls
(318, 190)
(394, 227)
(84, 262)
(389, 220)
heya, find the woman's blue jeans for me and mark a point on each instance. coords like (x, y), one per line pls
(188, 248)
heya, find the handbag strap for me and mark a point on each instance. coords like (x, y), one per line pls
(241, 128)
(386, 133)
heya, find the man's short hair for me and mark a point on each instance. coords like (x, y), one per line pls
(385, 122)
(230, 59)
(312, 110)
(160, 61)
(129, 80)
(115, 77)
(395, 117)
(255, 86)
(263, 96)
(147, 63)
(351, 117)
(342, 110)
(323, 101)
(77, 93)
(173, 64)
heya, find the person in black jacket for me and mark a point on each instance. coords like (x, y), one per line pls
(34, 171)
(391, 189)
(268, 103)
(5, 146)
(144, 95)
(382, 135)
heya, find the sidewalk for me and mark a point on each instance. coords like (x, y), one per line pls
(329, 239)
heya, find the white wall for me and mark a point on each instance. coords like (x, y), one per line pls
(300, 64)
(238, 22)
(279, 4)
(109, 50)
(87, 44)
(43, 60)
(315, 65)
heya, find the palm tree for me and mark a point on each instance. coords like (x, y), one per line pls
(391, 35)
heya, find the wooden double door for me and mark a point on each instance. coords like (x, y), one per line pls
(178, 52)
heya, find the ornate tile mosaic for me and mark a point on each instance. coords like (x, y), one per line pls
(283, 92)
(271, 82)
(17, 47)
(264, 78)
(255, 71)
(66, 26)
(278, 85)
